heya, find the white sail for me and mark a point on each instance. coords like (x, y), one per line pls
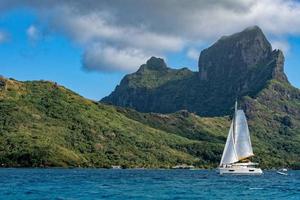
(238, 147)
(242, 140)
(229, 154)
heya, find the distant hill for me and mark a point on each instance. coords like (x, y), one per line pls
(43, 124)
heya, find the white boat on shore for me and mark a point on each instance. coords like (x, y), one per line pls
(183, 166)
(116, 167)
(238, 148)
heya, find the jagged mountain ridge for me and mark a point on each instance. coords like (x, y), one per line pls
(233, 67)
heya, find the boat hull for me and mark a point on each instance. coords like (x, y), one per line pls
(240, 171)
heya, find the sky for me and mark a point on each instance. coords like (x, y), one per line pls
(88, 46)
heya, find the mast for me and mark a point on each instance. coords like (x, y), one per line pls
(234, 119)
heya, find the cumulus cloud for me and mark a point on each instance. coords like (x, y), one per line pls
(193, 54)
(91, 27)
(134, 29)
(109, 59)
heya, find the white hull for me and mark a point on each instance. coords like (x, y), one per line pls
(240, 170)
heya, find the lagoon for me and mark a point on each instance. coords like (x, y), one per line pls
(126, 184)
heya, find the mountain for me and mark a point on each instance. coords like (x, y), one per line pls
(241, 66)
(233, 67)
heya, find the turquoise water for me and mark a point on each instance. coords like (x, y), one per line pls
(144, 184)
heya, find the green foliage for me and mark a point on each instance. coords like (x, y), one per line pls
(42, 124)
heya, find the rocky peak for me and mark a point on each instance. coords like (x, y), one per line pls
(154, 63)
(234, 55)
(278, 69)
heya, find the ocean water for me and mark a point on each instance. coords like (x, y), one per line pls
(144, 184)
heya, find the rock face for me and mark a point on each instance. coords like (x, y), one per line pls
(235, 66)
(156, 64)
(147, 87)
(233, 56)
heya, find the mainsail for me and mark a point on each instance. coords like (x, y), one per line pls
(243, 145)
(238, 144)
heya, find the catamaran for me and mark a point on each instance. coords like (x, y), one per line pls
(238, 148)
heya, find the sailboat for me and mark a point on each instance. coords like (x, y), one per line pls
(238, 148)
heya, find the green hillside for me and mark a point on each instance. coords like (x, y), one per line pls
(43, 124)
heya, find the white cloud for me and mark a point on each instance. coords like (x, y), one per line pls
(33, 33)
(193, 54)
(110, 59)
(158, 27)
(282, 45)
(93, 27)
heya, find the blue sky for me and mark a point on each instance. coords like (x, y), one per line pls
(36, 46)
(54, 58)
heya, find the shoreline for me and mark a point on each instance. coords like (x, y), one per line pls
(99, 168)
